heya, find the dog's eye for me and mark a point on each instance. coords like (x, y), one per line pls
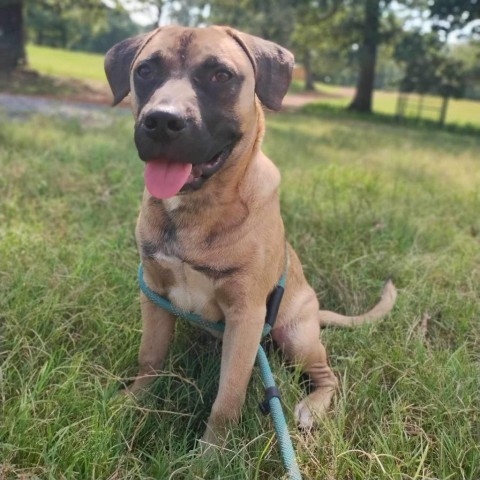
(221, 76)
(144, 71)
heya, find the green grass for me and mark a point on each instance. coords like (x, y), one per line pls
(66, 63)
(360, 201)
(461, 112)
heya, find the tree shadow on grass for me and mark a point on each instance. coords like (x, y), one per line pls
(179, 402)
(30, 82)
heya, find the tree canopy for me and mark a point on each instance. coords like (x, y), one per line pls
(339, 39)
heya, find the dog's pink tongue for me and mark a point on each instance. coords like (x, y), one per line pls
(165, 179)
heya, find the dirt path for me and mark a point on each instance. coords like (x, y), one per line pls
(92, 114)
(98, 109)
(294, 101)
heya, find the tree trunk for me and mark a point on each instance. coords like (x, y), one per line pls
(63, 36)
(12, 41)
(443, 111)
(159, 5)
(368, 57)
(307, 65)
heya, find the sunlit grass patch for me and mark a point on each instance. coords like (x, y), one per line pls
(460, 112)
(66, 63)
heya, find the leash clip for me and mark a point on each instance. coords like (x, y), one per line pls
(270, 392)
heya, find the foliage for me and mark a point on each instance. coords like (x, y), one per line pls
(83, 24)
(191, 13)
(449, 15)
(352, 35)
(270, 19)
(78, 28)
(428, 68)
(469, 54)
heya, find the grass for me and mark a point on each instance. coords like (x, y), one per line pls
(339, 113)
(461, 112)
(66, 63)
(360, 201)
(61, 73)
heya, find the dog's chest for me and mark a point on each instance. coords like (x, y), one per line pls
(190, 290)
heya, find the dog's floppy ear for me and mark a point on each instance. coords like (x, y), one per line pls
(272, 64)
(118, 62)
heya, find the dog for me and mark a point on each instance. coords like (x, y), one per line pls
(209, 233)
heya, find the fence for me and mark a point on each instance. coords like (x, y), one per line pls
(420, 107)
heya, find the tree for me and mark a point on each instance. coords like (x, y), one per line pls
(419, 55)
(430, 69)
(362, 102)
(12, 44)
(450, 15)
(469, 54)
(351, 34)
(270, 19)
(296, 24)
(444, 15)
(75, 29)
(191, 13)
(309, 32)
(12, 28)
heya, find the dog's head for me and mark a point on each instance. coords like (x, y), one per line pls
(193, 97)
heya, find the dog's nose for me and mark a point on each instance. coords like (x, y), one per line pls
(163, 123)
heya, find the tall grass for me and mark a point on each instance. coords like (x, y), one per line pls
(361, 201)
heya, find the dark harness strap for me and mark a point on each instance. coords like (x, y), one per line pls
(273, 305)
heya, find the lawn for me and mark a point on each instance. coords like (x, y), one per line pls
(361, 201)
(66, 63)
(461, 112)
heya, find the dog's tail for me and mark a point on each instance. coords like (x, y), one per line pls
(386, 303)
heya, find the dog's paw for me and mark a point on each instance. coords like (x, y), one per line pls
(125, 397)
(215, 437)
(304, 416)
(312, 408)
(205, 449)
(136, 389)
(127, 392)
(211, 438)
(124, 392)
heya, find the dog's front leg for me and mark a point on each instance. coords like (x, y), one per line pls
(241, 339)
(157, 333)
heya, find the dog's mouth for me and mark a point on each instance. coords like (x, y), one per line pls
(165, 179)
(202, 171)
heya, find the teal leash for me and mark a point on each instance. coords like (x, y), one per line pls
(272, 402)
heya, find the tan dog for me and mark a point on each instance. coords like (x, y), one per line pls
(210, 233)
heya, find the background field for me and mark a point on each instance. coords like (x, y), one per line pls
(460, 112)
(65, 63)
(361, 201)
(89, 67)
